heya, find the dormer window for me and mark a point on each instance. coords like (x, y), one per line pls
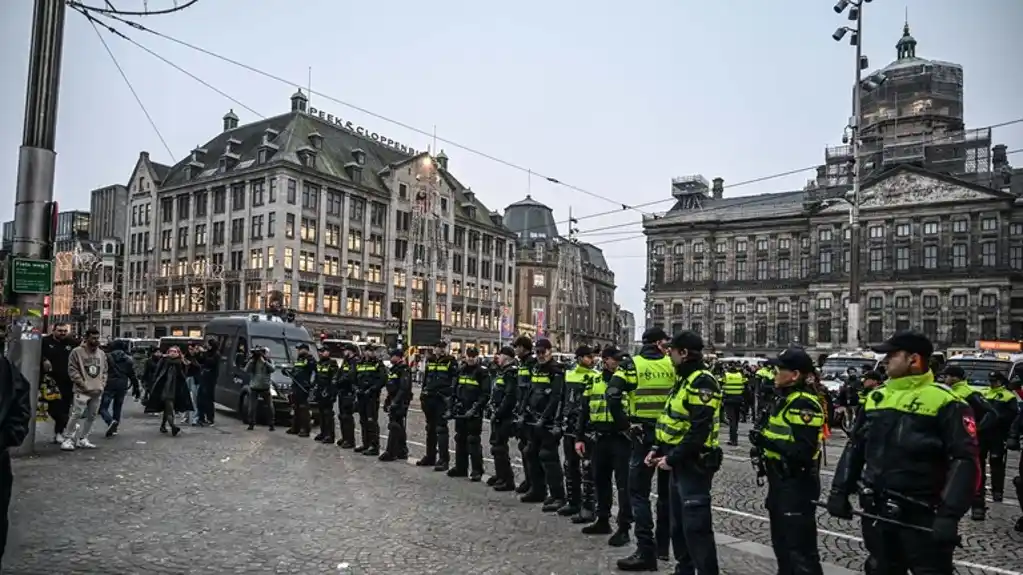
(360, 156)
(261, 157)
(222, 166)
(316, 140)
(354, 171)
(307, 156)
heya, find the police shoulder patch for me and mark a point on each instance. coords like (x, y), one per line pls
(807, 415)
(705, 395)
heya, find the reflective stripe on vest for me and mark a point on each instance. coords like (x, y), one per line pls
(779, 425)
(436, 367)
(467, 380)
(654, 380)
(674, 423)
(734, 383)
(597, 402)
(366, 367)
(322, 368)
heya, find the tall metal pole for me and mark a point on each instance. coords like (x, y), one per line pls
(36, 164)
(854, 208)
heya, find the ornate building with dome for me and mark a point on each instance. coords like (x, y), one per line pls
(942, 234)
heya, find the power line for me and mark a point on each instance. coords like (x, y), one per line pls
(624, 207)
(120, 34)
(130, 87)
(110, 9)
(430, 134)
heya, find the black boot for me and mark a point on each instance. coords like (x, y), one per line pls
(978, 513)
(997, 496)
(361, 448)
(1018, 527)
(441, 466)
(426, 461)
(638, 561)
(491, 481)
(372, 451)
(620, 538)
(523, 487)
(584, 516)
(476, 476)
(553, 505)
(601, 526)
(456, 472)
(504, 486)
(386, 456)
(533, 496)
(319, 437)
(568, 509)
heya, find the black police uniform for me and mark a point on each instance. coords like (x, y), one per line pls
(547, 385)
(1013, 443)
(468, 401)
(323, 393)
(788, 445)
(577, 381)
(302, 373)
(925, 475)
(503, 400)
(399, 396)
(346, 386)
(526, 363)
(436, 392)
(1003, 404)
(604, 422)
(371, 378)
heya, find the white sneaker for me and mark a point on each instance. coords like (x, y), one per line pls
(59, 438)
(84, 443)
(67, 445)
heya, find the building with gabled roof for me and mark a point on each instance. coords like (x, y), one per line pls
(317, 209)
(942, 235)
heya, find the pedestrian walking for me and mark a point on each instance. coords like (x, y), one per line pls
(57, 348)
(87, 368)
(170, 391)
(121, 378)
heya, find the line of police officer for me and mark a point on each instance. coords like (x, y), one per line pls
(912, 456)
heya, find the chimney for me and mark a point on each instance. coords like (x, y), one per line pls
(718, 188)
(144, 156)
(230, 120)
(822, 176)
(442, 159)
(470, 196)
(999, 157)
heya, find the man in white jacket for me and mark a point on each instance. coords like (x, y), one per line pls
(87, 368)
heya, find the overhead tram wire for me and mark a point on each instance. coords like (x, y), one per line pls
(576, 219)
(110, 9)
(138, 99)
(430, 134)
(121, 35)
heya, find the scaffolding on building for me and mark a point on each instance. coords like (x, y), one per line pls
(428, 245)
(570, 299)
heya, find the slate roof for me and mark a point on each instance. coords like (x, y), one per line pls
(293, 130)
(159, 171)
(768, 205)
(593, 255)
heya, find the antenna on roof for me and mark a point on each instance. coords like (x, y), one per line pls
(435, 136)
(309, 86)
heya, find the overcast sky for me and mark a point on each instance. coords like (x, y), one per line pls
(615, 98)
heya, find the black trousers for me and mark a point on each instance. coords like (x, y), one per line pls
(530, 459)
(325, 415)
(205, 398)
(6, 485)
(368, 405)
(501, 433)
(733, 411)
(397, 435)
(572, 470)
(692, 530)
(438, 447)
(650, 536)
(896, 550)
(992, 453)
(611, 458)
(60, 409)
(542, 450)
(793, 513)
(1017, 483)
(469, 444)
(346, 409)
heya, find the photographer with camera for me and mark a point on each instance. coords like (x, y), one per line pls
(259, 367)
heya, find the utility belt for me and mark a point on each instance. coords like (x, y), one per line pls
(785, 469)
(895, 506)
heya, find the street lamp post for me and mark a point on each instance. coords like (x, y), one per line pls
(853, 312)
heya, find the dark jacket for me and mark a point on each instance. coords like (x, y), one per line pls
(15, 406)
(121, 371)
(57, 353)
(505, 393)
(169, 372)
(399, 389)
(471, 392)
(546, 390)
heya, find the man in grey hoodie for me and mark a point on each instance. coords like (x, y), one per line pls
(87, 367)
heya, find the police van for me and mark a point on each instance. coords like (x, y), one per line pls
(839, 363)
(979, 364)
(236, 337)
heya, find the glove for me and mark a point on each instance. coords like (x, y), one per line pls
(946, 530)
(1012, 444)
(447, 414)
(839, 506)
(755, 437)
(387, 408)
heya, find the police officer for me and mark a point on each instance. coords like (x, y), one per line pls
(438, 381)
(789, 446)
(577, 381)
(733, 387)
(468, 401)
(302, 373)
(925, 475)
(763, 388)
(649, 377)
(1013, 443)
(546, 390)
(984, 415)
(346, 396)
(604, 423)
(399, 396)
(324, 393)
(503, 401)
(687, 447)
(524, 352)
(992, 440)
(371, 378)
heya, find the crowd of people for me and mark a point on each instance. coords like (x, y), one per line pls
(591, 435)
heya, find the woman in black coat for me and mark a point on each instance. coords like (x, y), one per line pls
(170, 393)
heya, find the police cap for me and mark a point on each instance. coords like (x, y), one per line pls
(793, 359)
(508, 351)
(909, 342)
(472, 352)
(543, 344)
(655, 335)
(611, 352)
(954, 371)
(584, 351)
(687, 340)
